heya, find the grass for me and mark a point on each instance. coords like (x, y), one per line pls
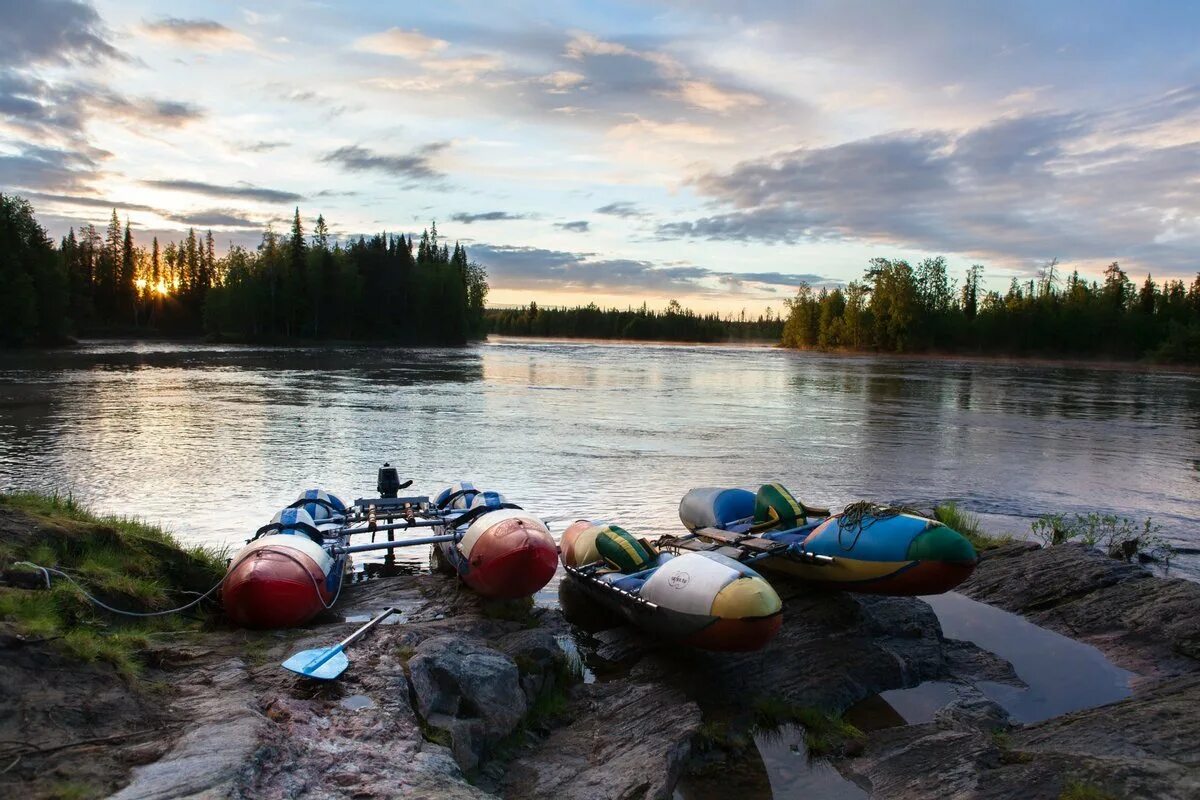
(968, 524)
(125, 562)
(1076, 790)
(74, 790)
(824, 734)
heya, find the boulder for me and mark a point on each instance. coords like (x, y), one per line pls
(538, 658)
(468, 689)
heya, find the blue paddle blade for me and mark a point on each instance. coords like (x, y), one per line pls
(324, 664)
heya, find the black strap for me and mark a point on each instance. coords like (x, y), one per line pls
(320, 502)
(450, 498)
(312, 532)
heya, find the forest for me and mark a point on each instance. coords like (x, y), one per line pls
(293, 286)
(899, 308)
(674, 324)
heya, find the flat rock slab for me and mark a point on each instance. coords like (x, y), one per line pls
(1142, 747)
(628, 740)
(1143, 623)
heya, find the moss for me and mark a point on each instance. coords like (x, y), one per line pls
(124, 562)
(1008, 755)
(73, 790)
(715, 735)
(824, 734)
(436, 735)
(1075, 790)
(968, 524)
(519, 610)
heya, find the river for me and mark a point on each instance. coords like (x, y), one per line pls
(210, 440)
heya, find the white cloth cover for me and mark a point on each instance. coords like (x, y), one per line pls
(688, 583)
(481, 526)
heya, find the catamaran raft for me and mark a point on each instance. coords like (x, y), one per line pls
(294, 567)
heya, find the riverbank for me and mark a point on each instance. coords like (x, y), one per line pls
(460, 698)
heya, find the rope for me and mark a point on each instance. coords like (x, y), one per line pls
(316, 586)
(852, 516)
(47, 570)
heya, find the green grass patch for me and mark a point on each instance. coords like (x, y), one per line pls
(824, 733)
(1076, 790)
(73, 790)
(716, 735)
(126, 563)
(968, 524)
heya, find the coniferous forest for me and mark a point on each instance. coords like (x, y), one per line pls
(899, 308)
(675, 324)
(299, 285)
(307, 285)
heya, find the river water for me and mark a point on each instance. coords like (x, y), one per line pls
(210, 440)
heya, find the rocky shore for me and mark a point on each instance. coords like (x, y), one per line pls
(461, 699)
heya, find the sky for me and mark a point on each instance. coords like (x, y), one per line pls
(621, 152)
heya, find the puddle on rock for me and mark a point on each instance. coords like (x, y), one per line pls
(357, 702)
(783, 771)
(1062, 675)
(898, 707)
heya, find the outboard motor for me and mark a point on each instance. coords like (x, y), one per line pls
(388, 484)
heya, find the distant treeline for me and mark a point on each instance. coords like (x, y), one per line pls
(293, 286)
(675, 324)
(900, 308)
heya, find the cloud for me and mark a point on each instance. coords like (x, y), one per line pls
(575, 226)
(710, 97)
(585, 44)
(88, 201)
(45, 168)
(262, 146)
(621, 208)
(412, 167)
(441, 74)
(399, 42)
(53, 32)
(240, 191)
(535, 268)
(486, 216)
(201, 34)
(678, 131)
(214, 217)
(562, 80)
(1073, 185)
(61, 110)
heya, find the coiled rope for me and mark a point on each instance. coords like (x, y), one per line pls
(853, 516)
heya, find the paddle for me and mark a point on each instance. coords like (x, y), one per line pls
(327, 663)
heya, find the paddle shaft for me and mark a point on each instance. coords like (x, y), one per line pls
(349, 639)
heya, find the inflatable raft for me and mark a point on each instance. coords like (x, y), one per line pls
(289, 572)
(293, 568)
(705, 600)
(502, 551)
(866, 548)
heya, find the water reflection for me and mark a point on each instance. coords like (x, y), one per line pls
(211, 439)
(1061, 674)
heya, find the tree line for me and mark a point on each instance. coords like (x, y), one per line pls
(674, 324)
(292, 286)
(899, 308)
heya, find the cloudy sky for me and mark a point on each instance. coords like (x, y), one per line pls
(626, 151)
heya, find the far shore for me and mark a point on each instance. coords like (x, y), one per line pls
(939, 356)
